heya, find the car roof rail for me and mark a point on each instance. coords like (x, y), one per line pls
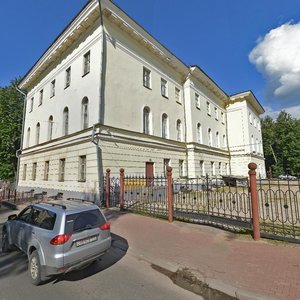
(54, 204)
(81, 200)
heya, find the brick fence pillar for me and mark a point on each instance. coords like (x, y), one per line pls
(254, 201)
(170, 194)
(107, 188)
(121, 189)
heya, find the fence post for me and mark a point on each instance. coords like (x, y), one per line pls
(170, 195)
(254, 201)
(107, 187)
(121, 189)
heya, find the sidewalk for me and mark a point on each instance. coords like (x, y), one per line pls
(231, 263)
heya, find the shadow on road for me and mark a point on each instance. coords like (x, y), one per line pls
(14, 263)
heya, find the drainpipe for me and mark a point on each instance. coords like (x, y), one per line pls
(19, 151)
(95, 140)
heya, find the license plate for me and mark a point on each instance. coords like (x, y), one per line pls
(86, 241)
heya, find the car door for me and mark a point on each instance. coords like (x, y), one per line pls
(22, 228)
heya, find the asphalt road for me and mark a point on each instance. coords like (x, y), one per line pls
(118, 275)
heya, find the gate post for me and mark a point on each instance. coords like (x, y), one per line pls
(170, 195)
(121, 189)
(107, 188)
(254, 201)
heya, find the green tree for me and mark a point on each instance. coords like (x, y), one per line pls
(281, 140)
(11, 113)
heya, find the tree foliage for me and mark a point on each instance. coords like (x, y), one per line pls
(11, 113)
(281, 140)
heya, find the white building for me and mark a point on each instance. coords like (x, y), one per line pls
(112, 96)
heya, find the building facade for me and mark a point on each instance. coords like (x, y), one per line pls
(109, 95)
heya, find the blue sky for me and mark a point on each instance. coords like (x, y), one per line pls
(216, 35)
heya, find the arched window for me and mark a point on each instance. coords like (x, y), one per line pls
(37, 137)
(66, 121)
(28, 137)
(224, 141)
(85, 113)
(146, 120)
(179, 131)
(217, 139)
(209, 137)
(50, 128)
(164, 126)
(199, 133)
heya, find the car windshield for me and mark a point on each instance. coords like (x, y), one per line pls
(83, 221)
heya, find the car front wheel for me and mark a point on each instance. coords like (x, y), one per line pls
(34, 268)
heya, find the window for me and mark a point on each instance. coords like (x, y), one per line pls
(181, 168)
(41, 97)
(164, 126)
(66, 121)
(34, 166)
(252, 144)
(37, 137)
(68, 77)
(147, 78)
(52, 88)
(208, 108)
(202, 168)
(62, 165)
(197, 101)
(257, 146)
(224, 141)
(46, 171)
(85, 113)
(220, 168)
(216, 114)
(86, 63)
(254, 121)
(50, 128)
(213, 168)
(227, 168)
(179, 131)
(166, 164)
(177, 95)
(217, 140)
(28, 137)
(250, 118)
(223, 117)
(199, 133)
(164, 87)
(24, 172)
(82, 168)
(146, 120)
(209, 137)
(31, 104)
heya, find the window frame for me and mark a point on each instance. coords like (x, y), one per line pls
(68, 77)
(41, 97)
(208, 108)
(82, 163)
(178, 95)
(86, 63)
(164, 87)
(34, 171)
(46, 170)
(147, 78)
(61, 169)
(197, 101)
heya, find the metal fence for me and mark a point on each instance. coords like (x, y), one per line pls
(210, 201)
(279, 209)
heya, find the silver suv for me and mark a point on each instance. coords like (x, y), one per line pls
(58, 236)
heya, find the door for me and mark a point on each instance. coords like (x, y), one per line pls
(149, 173)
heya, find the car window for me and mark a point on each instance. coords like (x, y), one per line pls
(25, 215)
(43, 218)
(84, 220)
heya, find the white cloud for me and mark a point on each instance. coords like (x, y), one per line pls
(277, 57)
(294, 111)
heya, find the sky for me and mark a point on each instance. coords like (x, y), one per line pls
(241, 44)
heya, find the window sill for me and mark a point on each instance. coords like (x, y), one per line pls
(40, 104)
(179, 102)
(165, 97)
(85, 74)
(66, 86)
(209, 114)
(81, 180)
(198, 107)
(52, 96)
(147, 87)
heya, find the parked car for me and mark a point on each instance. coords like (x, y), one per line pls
(58, 236)
(287, 177)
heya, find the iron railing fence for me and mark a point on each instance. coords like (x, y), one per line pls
(279, 209)
(146, 195)
(213, 201)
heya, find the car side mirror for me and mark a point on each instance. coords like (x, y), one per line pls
(12, 217)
